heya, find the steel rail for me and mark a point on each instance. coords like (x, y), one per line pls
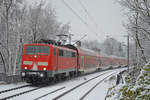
(49, 93)
(21, 93)
(63, 94)
(16, 88)
(95, 86)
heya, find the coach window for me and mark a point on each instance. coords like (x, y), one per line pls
(73, 54)
(61, 52)
(67, 54)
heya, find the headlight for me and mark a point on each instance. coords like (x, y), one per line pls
(35, 56)
(42, 75)
(23, 74)
(44, 68)
(25, 68)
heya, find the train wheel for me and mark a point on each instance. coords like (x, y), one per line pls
(55, 79)
(59, 77)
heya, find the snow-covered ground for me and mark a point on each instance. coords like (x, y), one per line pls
(8, 86)
(98, 93)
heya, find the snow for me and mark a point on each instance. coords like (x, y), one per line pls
(137, 91)
(8, 86)
(37, 93)
(83, 89)
(3, 95)
(98, 93)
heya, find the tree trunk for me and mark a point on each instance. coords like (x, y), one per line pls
(3, 62)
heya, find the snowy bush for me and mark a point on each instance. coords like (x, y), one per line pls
(138, 91)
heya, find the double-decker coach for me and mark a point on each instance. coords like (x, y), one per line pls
(89, 61)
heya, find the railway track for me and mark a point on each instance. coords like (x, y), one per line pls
(12, 89)
(94, 87)
(54, 91)
(49, 93)
(21, 93)
(79, 85)
(18, 94)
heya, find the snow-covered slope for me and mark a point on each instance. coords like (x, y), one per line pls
(140, 90)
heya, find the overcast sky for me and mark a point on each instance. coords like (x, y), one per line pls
(107, 15)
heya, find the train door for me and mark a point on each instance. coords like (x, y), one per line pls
(54, 59)
(82, 63)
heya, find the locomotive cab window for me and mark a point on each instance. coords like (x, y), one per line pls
(37, 50)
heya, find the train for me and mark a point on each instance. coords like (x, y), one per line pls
(49, 61)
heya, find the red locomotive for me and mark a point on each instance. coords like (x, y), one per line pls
(42, 62)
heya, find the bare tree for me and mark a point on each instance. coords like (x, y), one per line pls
(138, 25)
(20, 24)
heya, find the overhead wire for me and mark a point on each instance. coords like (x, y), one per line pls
(74, 12)
(88, 14)
(80, 18)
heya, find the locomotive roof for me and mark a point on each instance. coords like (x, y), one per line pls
(82, 50)
(40, 44)
(64, 47)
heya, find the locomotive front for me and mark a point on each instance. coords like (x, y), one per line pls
(35, 62)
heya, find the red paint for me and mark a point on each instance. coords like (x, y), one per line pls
(84, 59)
